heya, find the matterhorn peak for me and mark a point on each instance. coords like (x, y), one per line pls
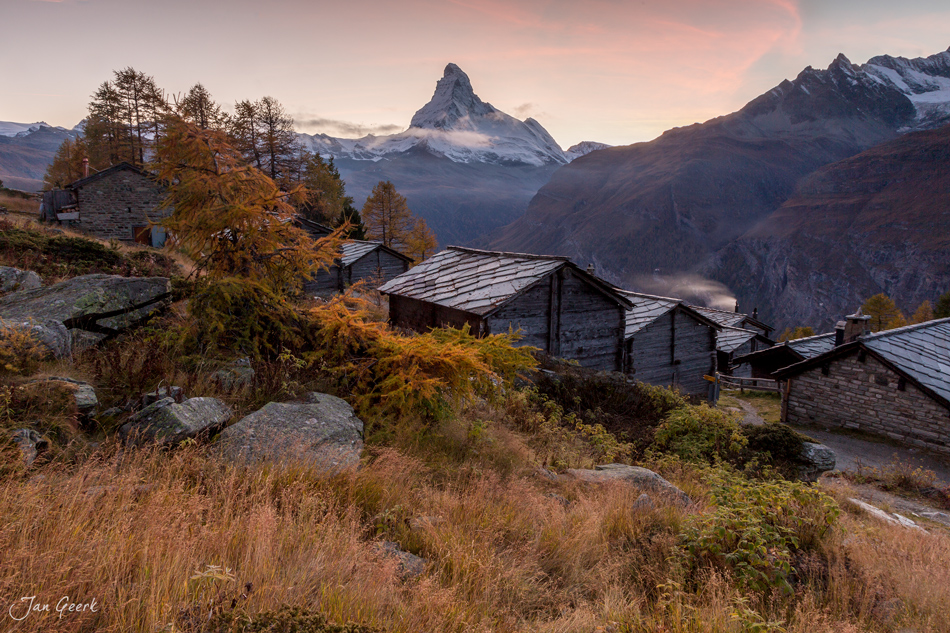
(454, 104)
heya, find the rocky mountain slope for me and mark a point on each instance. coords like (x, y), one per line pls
(667, 206)
(876, 222)
(26, 150)
(464, 166)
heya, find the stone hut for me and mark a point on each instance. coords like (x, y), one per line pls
(557, 306)
(894, 383)
(120, 203)
(669, 343)
(359, 261)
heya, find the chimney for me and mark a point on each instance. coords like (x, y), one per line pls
(85, 167)
(856, 326)
(737, 306)
(755, 313)
(839, 332)
(590, 268)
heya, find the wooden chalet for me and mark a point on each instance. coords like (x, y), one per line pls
(557, 306)
(119, 203)
(894, 383)
(314, 229)
(733, 343)
(765, 362)
(736, 319)
(359, 261)
(668, 343)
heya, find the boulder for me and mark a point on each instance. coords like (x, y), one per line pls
(13, 279)
(87, 403)
(238, 375)
(101, 304)
(816, 459)
(408, 566)
(167, 422)
(52, 336)
(323, 433)
(30, 443)
(639, 477)
(175, 393)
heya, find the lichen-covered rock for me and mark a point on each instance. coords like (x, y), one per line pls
(87, 403)
(408, 566)
(31, 444)
(103, 304)
(234, 377)
(14, 279)
(168, 422)
(323, 433)
(635, 475)
(816, 459)
(52, 336)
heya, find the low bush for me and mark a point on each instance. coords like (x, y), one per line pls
(701, 433)
(756, 529)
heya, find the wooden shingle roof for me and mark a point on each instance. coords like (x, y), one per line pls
(731, 319)
(920, 353)
(648, 308)
(481, 282)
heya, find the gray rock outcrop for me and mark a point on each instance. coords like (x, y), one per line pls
(323, 433)
(635, 475)
(408, 566)
(87, 403)
(13, 279)
(52, 336)
(816, 459)
(31, 444)
(101, 304)
(167, 422)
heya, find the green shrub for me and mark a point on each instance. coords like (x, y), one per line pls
(701, 434)
(631, 411)
(284, 620)
(775, 445)
(756, 528)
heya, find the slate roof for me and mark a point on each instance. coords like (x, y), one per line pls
(732, 338)
(730, 319)
(921, 352)
(82, 182)
(811, 346)
(354, 250)
(479, 281)
(648, 308)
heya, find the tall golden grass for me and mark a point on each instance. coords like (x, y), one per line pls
(505, 552)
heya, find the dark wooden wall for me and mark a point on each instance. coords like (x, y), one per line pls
(376, 268)
(567, 317)
(421, 316)
(324, 282)
(676, 349)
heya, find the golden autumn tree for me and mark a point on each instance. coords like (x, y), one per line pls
(923, 314)
(67, 165)
(883, 312)
(799, 332)
(230, 217)
(421, 241)
(387, 217)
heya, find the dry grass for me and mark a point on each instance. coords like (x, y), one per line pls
(25, 206)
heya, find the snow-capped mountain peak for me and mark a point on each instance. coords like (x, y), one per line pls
(453, 105)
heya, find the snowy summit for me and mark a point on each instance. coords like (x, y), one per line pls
(457, 125)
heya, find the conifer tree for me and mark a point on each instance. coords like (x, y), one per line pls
(421, 241)
(264, 133)
(923, 314)
(799, 332)
(232, 218)
(67, 165)
(387, 217)
(326, 193)
(942, 309)
(198, 107)
(351, 219)
(883, 312)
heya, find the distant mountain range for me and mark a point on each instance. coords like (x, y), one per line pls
(26, 149)
(464, 166)
(666, 209)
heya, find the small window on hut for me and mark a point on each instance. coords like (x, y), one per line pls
(902, 384)
(825, 369)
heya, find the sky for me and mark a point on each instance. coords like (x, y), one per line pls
(614, 71)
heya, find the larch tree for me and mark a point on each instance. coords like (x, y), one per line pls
(326, 196)
(942, 309)
(421, 241)
(67, 164)
(923, 314)
(883, 312)
(799, 332)
(387, 217)
(264, 133)
(198, 107)
(232, 218)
